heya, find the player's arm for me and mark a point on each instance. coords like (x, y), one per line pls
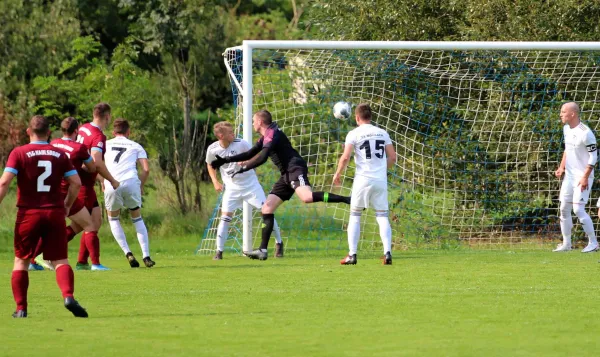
(88, 164)
(213, 177)
(590, 145)
(74, 185)
(390, 152)
(101, 168)
(343, 163)
(5, 180)
(145, 166)
(256, 161)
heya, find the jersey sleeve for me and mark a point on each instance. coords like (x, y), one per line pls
(590, 141)
(142, 153)
(98, 143)
(387, 139)
(350, 138)
(269, 140)
(13, 164)
(210, 157)
(67, 166)
(84, 154)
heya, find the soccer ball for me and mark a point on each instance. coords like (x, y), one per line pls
(342, 110)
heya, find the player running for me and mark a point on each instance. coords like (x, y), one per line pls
(40, 168)
(373, 154)
(243, 187)
(577, 164)
(82, 162)
(122, 157)
(294, 174)
(91, 135)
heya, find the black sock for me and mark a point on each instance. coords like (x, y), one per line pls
(267, 229)
(329, 197)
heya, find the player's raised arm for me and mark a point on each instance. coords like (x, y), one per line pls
(256, 149)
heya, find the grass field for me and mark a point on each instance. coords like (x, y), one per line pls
(451, 303)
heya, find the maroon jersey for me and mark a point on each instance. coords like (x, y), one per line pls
(76, 152)
(92, 137)
(40, 168)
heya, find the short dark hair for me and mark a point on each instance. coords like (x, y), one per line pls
(120, 126)
(69, 125)
(39, 125)
(265, 116)
(363, 111)
(101, 110)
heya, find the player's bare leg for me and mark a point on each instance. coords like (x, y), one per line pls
(306, 195)
(268, 215)
(222, 234)
(142, 236)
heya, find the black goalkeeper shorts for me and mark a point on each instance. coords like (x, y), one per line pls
(287, 184)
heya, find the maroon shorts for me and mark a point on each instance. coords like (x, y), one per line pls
(47, 223)
(77, 206)
(88, 196)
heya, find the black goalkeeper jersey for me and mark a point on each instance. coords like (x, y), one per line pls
(281, 152)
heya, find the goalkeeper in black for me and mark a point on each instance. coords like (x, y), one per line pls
(294, 174)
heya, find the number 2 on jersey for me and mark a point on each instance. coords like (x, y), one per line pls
(379, 148)
(47, 165)
(121, 151)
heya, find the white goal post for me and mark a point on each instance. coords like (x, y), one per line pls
(475, 81)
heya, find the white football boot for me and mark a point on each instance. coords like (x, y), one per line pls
(563, 248)
(591, 247)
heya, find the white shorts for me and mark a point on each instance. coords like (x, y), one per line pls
(233, 199)
(570, 191)
(369, 193)
(128, 195)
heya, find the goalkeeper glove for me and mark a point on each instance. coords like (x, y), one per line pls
(219, 161)
(238, 170)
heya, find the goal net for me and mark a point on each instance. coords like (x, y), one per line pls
(477, 135)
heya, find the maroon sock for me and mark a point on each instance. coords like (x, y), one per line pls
(93, 246)
(83, 251)
(70, 234)
(65, 280)
(20, 283)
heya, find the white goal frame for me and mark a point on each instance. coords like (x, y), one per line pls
(249, 45)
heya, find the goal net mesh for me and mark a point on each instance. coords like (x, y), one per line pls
(477, 136)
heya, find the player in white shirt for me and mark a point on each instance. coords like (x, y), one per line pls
(373, 154)
(577, 164)
(243, 187)
(122, 156)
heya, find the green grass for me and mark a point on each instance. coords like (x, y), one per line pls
(451, 303)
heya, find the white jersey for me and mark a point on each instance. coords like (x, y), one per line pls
(240, 181)
(121, 158)
(369, 151)
(580, 143)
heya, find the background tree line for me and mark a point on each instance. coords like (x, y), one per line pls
(159, 62)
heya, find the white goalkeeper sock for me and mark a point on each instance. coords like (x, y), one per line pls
(117, 231)
(385, 230)
(142, 235)
(566, 222)
(277, 232)
(353, 231)
(586, 222)
(223, 232)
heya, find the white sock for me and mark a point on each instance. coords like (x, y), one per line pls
(385, 231)
(586, 222)
(223, 232)
(353, 232)
(142, 235)
(117, 231)
(566, 222)
(276, 231)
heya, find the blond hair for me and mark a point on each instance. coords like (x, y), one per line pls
(218, 127)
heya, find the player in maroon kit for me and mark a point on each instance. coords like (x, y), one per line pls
(40, 168)
(91, 135)
(82, 161)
